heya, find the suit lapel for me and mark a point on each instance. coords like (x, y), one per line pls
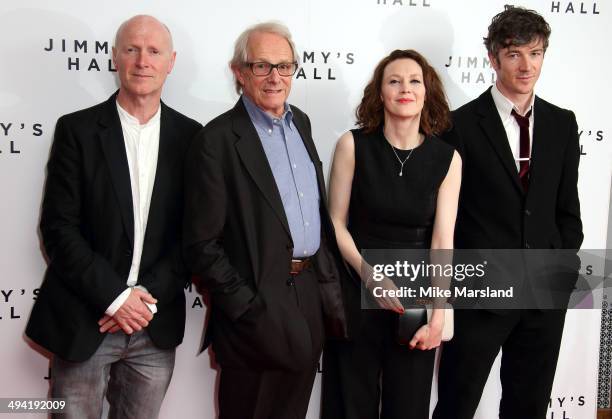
(304, 131)
(166, 159)
(255, 161)
(496, 134)
(113, 147)
(541, 141)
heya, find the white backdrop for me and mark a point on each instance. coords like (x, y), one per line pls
(43, 75)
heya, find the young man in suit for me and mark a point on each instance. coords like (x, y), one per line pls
(112, 308)
(519, 191)
(258, 234)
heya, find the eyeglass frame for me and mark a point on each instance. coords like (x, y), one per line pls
(272, 67)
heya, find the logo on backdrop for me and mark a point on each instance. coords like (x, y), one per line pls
(590, 134)
(564, 407)
(193, 298)
(471, 69)
(323, 65)
(412, 3)
(82, 55)
(574, 7)
(11, 133)
(16, 303)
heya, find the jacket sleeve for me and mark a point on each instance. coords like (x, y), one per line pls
(206, 200)
(71, 257)
(568, 203)
(167, 278)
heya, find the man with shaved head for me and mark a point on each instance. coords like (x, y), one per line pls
(111, 308)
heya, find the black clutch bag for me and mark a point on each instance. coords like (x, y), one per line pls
(409, 322)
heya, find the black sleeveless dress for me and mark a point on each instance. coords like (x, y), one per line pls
(392, 211)
(386, 211)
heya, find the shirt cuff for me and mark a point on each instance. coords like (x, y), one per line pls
(112, 309)
(152, 307)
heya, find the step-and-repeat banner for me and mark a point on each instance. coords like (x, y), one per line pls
(55, 59)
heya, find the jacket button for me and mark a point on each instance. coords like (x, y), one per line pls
(290, 281)
(527, 212)
(128, 252)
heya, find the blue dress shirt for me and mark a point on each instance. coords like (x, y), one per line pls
(294, 174)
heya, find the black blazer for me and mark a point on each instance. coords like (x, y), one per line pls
(494, 212)
(87, 228)
(237, 241)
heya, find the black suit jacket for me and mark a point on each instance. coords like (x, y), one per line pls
(494, 211)
(87, 227)
(237, 240)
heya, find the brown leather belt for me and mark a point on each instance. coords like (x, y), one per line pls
(298, 265)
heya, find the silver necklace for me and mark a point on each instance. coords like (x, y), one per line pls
(401, 172)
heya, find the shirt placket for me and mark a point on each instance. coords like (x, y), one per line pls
(300, 186)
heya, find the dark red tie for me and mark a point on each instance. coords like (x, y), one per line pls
(523, 122)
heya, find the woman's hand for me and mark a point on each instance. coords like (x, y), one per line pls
(428, 336)
(385, 286)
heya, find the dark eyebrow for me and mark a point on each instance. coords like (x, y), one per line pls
(409, 75)
(514, 48)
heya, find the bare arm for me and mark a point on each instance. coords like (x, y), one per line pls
(340, 185)
(429, 336)
(446, 206)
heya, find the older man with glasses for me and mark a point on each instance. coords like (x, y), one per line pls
(258, 234)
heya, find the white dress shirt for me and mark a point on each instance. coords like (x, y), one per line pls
(504, 108)
(141, 146)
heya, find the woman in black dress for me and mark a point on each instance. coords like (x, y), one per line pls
(394, 185)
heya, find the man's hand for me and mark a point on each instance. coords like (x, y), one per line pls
(108, 324)
(132, 316)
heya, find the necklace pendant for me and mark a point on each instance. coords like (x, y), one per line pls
(401, 172)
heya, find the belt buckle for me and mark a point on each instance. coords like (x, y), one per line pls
(298, 265)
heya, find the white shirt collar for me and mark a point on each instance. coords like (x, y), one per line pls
(132, 121)
(504, 105)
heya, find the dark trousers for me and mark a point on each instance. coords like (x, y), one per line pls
(274, 394)
(245, 394)
(529, 340)
(374, 373)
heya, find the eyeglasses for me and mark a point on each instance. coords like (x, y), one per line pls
(263, 68)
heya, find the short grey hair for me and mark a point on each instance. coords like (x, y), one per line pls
(240, 57)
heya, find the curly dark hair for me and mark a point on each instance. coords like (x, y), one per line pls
(516, 26)
(435, 116)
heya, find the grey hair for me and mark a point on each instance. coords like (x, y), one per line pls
(130, 20)
(240, 57)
